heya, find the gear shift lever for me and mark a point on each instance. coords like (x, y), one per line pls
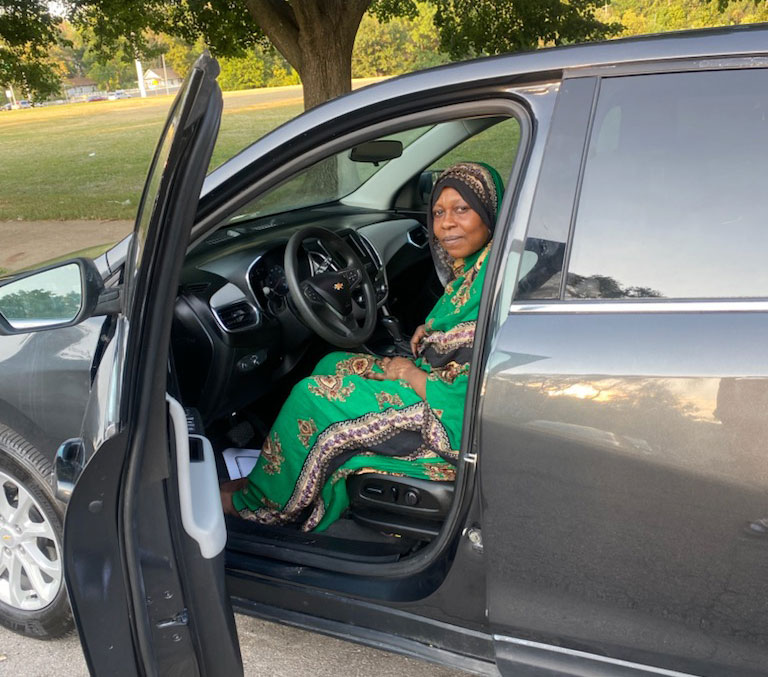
(395, 330)
(392, 325)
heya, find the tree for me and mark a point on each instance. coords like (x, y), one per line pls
(27, 31)
(496, 26)
(241, 72)
(316, 37)
(658, 16)
(399, 45)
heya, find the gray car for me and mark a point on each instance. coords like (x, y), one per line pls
(610, 513)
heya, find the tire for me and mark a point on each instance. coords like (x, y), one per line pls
(33, 596)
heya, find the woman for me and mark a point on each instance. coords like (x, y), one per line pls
(361, 413)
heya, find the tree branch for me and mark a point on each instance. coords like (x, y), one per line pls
(278, 21)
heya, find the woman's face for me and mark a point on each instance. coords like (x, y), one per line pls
(457, 226)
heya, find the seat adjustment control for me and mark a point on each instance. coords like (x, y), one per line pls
(411, 497)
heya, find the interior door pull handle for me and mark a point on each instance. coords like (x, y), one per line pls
(201, 513)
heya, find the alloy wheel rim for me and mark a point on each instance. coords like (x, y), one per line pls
(30, 556)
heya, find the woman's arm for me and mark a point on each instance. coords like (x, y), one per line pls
(401, 368)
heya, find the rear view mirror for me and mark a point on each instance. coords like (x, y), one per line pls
(58, 296)
(377, 151)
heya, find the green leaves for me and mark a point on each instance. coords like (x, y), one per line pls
(476, 27)
(27, 30)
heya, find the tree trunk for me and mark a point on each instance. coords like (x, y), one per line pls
(326, 68)
(316, 37)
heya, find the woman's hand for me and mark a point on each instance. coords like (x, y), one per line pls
(403, 369)
(416, 339)
(397, 368)
(226, 489)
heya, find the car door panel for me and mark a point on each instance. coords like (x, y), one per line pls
(631, 473)
(623, 486)
(173, 600)
(62, 360)
(94, 571)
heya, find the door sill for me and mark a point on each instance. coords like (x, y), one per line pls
(367, 637)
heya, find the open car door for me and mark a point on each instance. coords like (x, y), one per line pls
(144, 533)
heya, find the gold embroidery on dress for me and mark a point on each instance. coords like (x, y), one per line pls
(451, 371)
(460, 336)
(440, 472)
(307, 428)
(331, 388)
(384, 399)
(357, 365)
(272, 453)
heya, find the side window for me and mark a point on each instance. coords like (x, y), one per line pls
(673, 201)
(497, 146)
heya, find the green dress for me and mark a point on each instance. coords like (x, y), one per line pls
(337, 422)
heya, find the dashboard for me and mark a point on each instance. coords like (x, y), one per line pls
(235, 333)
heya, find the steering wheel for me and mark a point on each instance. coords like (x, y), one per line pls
(326, 301)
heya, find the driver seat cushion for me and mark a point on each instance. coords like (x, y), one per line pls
(402, 505)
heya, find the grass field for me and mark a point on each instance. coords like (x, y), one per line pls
(90, 160)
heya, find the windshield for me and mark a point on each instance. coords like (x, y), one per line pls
(326, 181)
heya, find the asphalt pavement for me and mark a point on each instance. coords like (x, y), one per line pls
(268, 649)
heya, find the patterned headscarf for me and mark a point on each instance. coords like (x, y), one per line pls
(481, 187)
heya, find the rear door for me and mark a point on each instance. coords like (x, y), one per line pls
(144, 532)
(625, 416)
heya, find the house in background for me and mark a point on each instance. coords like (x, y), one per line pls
(153, 78)
(78, 86)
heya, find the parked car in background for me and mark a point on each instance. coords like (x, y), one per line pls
(118, 94)
(609, 508)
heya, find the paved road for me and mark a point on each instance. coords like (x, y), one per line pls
(268, 649)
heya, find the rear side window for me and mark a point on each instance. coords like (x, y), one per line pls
(673, 202)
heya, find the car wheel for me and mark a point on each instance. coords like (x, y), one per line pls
(33, 597)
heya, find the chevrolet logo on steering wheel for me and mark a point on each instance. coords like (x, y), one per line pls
(338, 286)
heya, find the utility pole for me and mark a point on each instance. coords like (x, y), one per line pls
(165, 75)
(140, 75)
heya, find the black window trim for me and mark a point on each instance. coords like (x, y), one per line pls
(577, 193)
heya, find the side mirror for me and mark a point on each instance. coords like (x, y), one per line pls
(61, 295)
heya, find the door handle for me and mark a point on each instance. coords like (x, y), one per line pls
(199, 499)
(67, 467)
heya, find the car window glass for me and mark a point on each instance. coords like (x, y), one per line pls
(496, 146)
(326, 181)
(673, 202)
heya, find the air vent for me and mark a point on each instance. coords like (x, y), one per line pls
(364, 249)
(237, 316)
(222, 235)
(197, 288)
(418, 237)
